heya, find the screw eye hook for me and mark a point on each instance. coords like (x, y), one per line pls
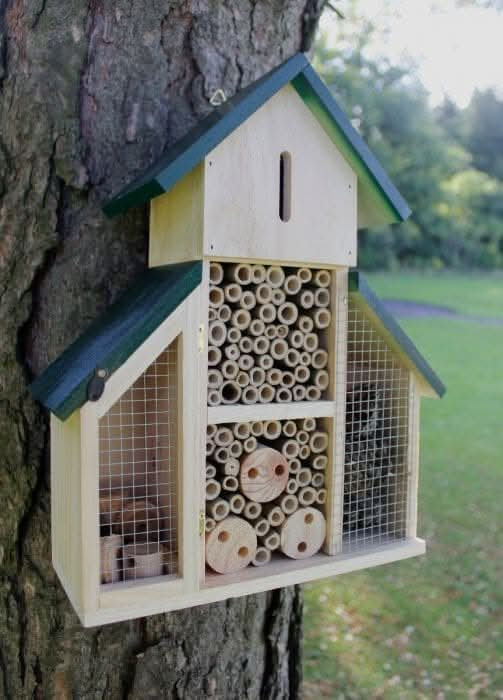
(218, 98)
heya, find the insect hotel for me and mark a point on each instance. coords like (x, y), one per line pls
(246, 417)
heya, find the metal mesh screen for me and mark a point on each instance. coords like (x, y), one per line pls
(138, 476)
(376, 455)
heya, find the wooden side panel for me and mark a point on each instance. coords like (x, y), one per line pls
(176, 221)
(413, 456)
(242, 190)
(66, 505)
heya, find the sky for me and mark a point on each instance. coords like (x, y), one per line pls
(455, 50)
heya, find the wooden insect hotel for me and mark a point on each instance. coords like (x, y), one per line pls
(247, 416)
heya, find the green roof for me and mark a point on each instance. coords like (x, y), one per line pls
(381, 201)
(359, 288)
(110, 340)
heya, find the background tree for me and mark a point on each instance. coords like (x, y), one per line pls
(91, 92)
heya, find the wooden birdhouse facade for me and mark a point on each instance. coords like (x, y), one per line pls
(247, 416)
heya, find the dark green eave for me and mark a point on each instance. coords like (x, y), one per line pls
(111, 339)
(380, 199)
(359, 287)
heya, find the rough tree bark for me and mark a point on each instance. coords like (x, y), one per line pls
(91, 91)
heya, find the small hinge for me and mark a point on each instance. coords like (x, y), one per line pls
(202, 523)
(200, 337)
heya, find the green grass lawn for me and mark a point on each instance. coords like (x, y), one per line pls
(430, 627)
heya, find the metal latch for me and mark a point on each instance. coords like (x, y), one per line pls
(202, 523)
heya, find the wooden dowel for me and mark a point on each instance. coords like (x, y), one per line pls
(304, 476)
(257, 328)
(216, 297)
(250, 444)
(217, 333)
(223, 436)
(245, 362)
(320, 462)
(321, 297)
(257, 376)
(321, 379)
(237, 503)
(249, 395)
(263, 474)
(229, 369)
(313, 393)
(305, 324)
(213, 489)
(287, 313)
(216, 273)
(231, 546)
(272, 541)
(262, 557)
(305, 275)
(218, 509)
(211, 471)
(278, 296)
(262, 527)
(241, 430)
(214, 397)
(321, 497)
(274, 376)
(264, 293)
(278, 349)
(266, 362)
(258, 274)
(266, 393)
(307, 496)
(261, 346)
(231, 392)
(296, 338)
(322, 278)
(233, 335)
(283, 395)
(252, 510)
(215, 378)
(302, 533)
(322, 318)
(318, 480)
(318, 442)
(209, 524)
(272, 429)
(289, 504)
(224, 313)
(241, 319)
(275, 276)
(230, 483)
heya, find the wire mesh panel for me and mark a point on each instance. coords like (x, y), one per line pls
(376, 455)
(138, 476)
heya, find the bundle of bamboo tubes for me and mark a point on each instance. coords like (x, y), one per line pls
(265, 491)
(267, 334)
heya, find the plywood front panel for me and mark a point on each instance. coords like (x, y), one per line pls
(243, 182)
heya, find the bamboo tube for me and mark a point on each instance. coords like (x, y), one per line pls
(213, 489)
(246, 362)
(321, 379)
(241, 273)
(313, 393)
(236, 449)
(267, 313)
(223, 436)
(218, 509)
(272, 429)
(233, 335)
(278, 349)
(221, 455)
(250, 444)
(292, 285)
(211, 471)
(214, 397)
(216, 297)
(292, 358)
(320, 462)
(282, 331)
(217, 333)
(322, 318)
(278, 297)
(262, 557)
(209, 524)
(249, 395)
(229, 369)
(305, 358)
(307, 496)
(311, 342)
(304, 476)
(211, 431)
(271, 332)
(257, 428)
(318, 442)
(216, 273)
(296, 338)
(263, 474)
(248, 300)
(288, 504)
(264, 293)
(303, 533)
(306, 299)
(224, 313)
(230, 483)
(322, 278)
(266, 393)
(302, 437)
(294, 465)
(241, 430)
(321, 297)
(301, 374)
(289, 448)
(245, 344)
(305, 324)
(110, 546)
(231, 392)
(318, 480)
(262, 527)
(241, 319)
(275, 515)
(287, 313)
(231, 546)
(215, 378)
(274, 376)
(257, 327)
(237, 503)
(304, 452)
(272, 541)
(283, 395)
(305, 275)
(261, 346)
(321, 497)
(212, 314)
(266, 362)
(231, 352)
(233, 293)
(287, 380)
(252, 510)
(292, 486)
(230, 467)
(257, 376)
(309, 424)
(275, 276)
(258, 274)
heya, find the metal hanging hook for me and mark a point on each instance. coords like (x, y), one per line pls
(218, 98)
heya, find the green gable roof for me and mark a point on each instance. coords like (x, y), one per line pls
(359, 288)
(109, 341)
(381, 201)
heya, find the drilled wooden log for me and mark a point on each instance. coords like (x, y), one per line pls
(109, 558)
(263, 474)
(302, 534)
(231, 546)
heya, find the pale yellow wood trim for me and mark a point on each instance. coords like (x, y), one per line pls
(201, 411)
(90, 460)
(271, 411)
(413, 457)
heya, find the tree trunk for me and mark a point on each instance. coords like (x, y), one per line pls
(91, 93)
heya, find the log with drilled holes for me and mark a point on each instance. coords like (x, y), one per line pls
(263, 475)
(231, 545)
(303, 533)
